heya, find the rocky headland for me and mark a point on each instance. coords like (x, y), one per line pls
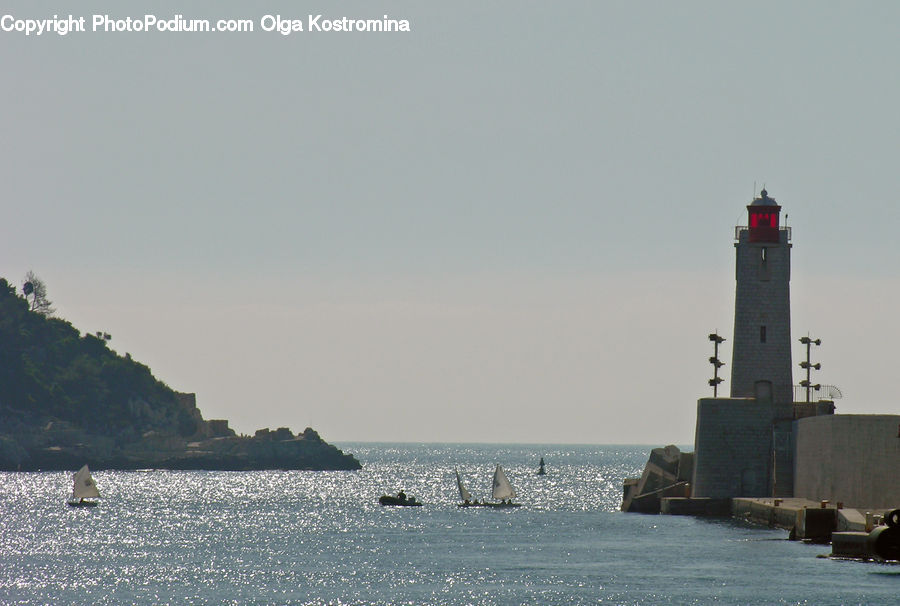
(67, 399)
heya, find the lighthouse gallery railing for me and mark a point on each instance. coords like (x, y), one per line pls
(739, 228)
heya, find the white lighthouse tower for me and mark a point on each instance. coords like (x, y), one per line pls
(761, 357)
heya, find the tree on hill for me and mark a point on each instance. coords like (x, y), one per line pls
(50, 372)
(37, 289)
(66, 398)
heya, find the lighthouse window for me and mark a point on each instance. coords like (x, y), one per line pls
(762, 334)
(762, 220)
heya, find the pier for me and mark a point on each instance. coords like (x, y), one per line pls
(852, 533)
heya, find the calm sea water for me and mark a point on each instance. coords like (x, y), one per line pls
(293, 537)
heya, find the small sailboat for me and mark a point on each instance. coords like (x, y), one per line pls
(83, 487)
(465, 495)
(502, 489)
(541, 470)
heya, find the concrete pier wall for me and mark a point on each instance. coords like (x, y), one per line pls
(854, 459)
(733, 447)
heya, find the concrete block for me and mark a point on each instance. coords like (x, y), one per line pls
(849, 544)
(776, 512)
(686, 506)
(851, 520)
(651, 502)
(816, 524)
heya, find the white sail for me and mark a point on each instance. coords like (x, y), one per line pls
(464, 494)
(502, 488)
(83, 485)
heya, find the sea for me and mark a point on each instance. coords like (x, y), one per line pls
(305, 537)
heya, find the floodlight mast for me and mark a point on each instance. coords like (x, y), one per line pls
(806, 365)
(714, 360)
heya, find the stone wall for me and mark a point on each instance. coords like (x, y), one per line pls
(854, 459)
(733, 448)
(219, 428)
(188, 401)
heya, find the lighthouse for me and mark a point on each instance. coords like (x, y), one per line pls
(761, 358)
(743, 444)
(759, 443)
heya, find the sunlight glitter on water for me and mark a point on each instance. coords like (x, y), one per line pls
(280, 537)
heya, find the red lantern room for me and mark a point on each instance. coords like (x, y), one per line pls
(763, 218)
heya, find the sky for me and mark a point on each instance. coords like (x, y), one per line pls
(513, 223)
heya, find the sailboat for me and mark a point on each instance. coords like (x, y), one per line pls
(465, 495)
(83, 487)
(541, 470)
(503, 490)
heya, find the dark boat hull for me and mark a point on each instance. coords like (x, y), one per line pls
(494, 505)
(81, 503)
(398, 502)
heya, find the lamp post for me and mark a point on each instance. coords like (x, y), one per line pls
(717, 364)
(806, 365)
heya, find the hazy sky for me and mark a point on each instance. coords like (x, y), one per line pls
(513, 224)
